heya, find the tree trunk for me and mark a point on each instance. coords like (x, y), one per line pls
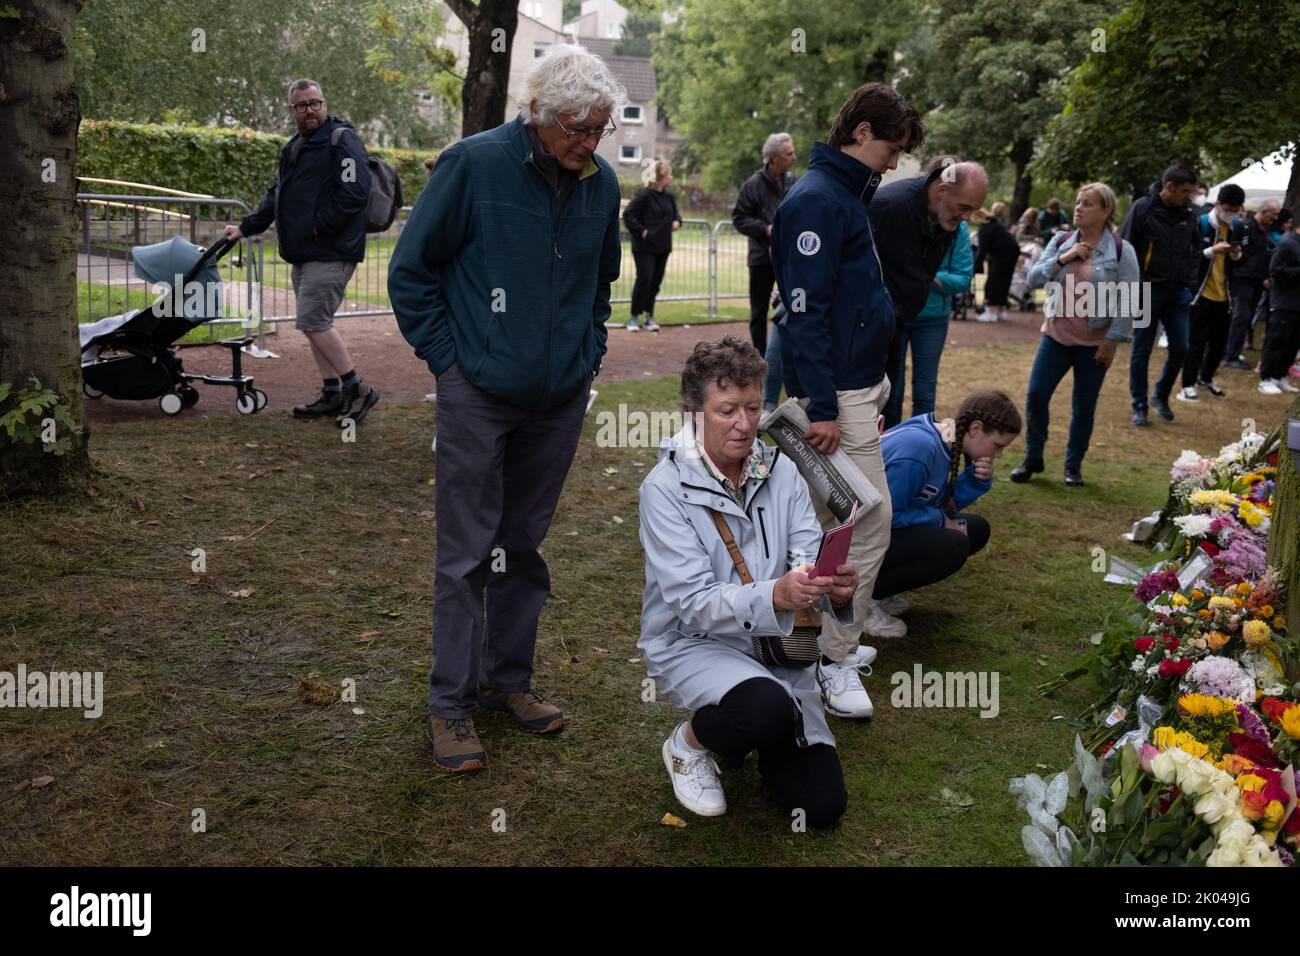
(1284, 534)
(1021, 153)
(1293, 185)
(39, 115)
(491, 27)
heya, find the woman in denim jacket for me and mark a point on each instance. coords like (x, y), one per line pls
(1093, 294)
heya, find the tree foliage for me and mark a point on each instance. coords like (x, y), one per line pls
(1211, 82)
(733, 71)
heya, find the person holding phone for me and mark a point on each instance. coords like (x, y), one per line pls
(707, 615)
(932, 535)
(1220, 234)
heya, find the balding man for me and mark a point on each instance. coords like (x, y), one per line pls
(1250, 278)
(752, 216)
(916, 220)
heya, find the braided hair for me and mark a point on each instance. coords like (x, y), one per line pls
(996, 411)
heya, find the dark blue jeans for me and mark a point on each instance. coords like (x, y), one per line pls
(772, 387)
(1169, 306)
(926, 336)
(1050, 365)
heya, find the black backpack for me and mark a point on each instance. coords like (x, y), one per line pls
(385, 197)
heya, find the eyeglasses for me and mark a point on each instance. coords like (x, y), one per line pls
(587, 132)
(312, 105)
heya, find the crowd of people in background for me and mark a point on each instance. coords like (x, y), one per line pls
(739, 625)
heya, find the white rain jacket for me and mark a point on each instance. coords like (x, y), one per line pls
(697, 618)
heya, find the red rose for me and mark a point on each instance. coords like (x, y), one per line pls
(1172, 668)
(1209, 547)
(1144, 644)
(1272, 460)
(1275, 708)
(1253, 750)
(1170, 641)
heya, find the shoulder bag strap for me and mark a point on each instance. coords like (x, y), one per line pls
(732, 548)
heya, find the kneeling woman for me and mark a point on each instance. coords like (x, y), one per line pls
(709, 620)
(931, 537)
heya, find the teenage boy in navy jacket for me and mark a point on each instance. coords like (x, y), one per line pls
(836, 335)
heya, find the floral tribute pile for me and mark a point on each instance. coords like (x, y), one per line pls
(1190, 757)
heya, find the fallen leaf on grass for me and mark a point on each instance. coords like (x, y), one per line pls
(428, 515)
(634, 660)
(137, 504)
(368, 635)
(315, 693)
(43, 781)
(671, 821)
(1043, 661)
(241, 593)
(617, 519)
(1028, 621)
(358, 711)
(155, 745)
(250, 444)
(956, 799)
(600, 650)
(611, 471)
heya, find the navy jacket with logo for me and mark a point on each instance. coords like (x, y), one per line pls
(840, 317)
(319, 213)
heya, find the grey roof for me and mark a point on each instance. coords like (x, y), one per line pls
(598, 45)
(636, 74)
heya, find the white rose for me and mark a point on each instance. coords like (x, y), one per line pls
(1163, 767)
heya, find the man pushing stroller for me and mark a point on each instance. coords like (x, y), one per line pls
(318, 204)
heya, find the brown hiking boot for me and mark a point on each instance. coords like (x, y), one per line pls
(456, 747)
(527, 708)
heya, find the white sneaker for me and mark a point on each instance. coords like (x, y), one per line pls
(985, 317)
(1188, 394)
(632, 324)
(591, 398)
(1164, 341)
(894, 605)
(651, 325)
(864, 655)
(1285, 385)
(880, 623)
(695, 779)
(842, 690)
(1269, 387)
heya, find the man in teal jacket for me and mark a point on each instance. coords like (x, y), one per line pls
(500, 281)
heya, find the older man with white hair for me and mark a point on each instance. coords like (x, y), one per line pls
(501, 283)
(752, 216)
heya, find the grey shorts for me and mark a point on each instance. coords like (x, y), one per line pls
(318, 289)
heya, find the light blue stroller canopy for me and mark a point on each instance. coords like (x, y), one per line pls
(168, 262)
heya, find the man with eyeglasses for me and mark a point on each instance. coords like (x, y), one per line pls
(318, 205)
(501, 282)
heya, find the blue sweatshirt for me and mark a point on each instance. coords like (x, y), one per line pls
(917, 460)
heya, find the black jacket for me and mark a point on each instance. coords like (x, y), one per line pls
(912, 245)
(755, 209)
(1284, 270)
(1164, 238)
(656, 211)
(1256, 250)
(996, 244)
(319, 213)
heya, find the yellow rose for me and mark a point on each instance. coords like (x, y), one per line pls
(1178, 600)
(1291, 722)
(1248, 781)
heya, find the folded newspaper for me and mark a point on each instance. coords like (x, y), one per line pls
(833, 479)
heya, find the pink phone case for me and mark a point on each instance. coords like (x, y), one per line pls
(835, 548)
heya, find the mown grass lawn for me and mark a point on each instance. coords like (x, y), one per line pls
(333, 544)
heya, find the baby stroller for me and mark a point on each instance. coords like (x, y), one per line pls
(129, 356)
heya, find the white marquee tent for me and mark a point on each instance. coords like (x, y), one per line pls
(1266, 179)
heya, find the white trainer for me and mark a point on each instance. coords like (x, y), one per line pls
(651, 325)
(842, 690)
(1187, 394)
(864, 655)
(880, 623)
(895, 605)
(1285, 385)
(1269, 387)
(695, 779)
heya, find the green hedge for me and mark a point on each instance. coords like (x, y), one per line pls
(226, 163)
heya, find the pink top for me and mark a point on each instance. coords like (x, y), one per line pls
(1070, 328)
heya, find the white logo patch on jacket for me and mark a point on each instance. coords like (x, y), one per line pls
(808, 243)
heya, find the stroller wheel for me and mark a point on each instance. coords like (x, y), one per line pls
(90, 390)
(246, 403)
(262, 400)
(190, 396)
(171, 404)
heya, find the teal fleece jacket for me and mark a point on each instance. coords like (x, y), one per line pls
(489, 273)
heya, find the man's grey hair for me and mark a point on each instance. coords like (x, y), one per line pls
(1269, 204)
(772, 145)
(568, 79)
(304, 85)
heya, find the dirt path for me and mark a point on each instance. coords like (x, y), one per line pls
(387, 362)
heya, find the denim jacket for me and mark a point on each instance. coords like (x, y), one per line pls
(1106, 267)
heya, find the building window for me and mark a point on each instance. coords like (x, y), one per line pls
(613, 31)
(632, 114)
(539, 49)
(629, 153)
